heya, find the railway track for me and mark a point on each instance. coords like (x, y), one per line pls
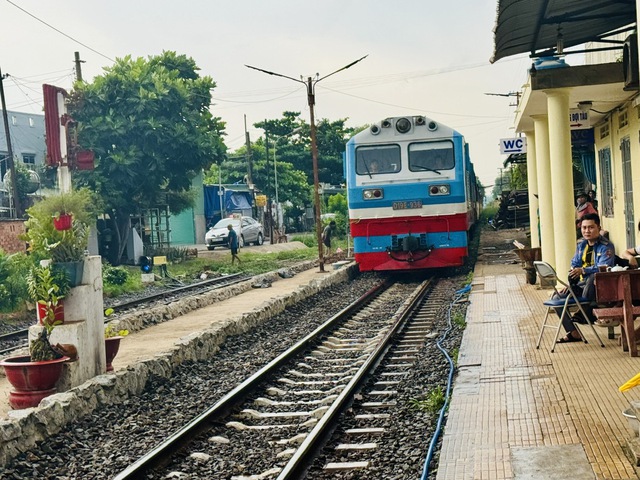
(286, 411)
(12, 341)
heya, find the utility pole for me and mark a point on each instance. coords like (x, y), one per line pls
(12, 167)
(248, 154)
(269, 212)
(311, 99)
(310, 84)
(78, 66)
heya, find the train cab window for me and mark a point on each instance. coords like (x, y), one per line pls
(431, 156)
(376, 159)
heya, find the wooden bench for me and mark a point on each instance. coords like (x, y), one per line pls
(622, 288)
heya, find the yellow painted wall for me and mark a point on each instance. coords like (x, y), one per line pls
(616, 224)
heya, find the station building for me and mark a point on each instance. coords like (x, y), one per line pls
(588, 114)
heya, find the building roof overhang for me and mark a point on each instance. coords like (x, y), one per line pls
(601, 84)
(546, 27)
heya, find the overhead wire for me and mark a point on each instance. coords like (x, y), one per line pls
(60, 31)
(69, 71)
(39, 102)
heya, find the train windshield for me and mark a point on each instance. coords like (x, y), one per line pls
(376, 159)
(431, 156)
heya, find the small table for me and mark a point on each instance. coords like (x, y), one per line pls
(623, 286)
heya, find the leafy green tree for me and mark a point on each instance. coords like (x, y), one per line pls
(519, 176)
(338, 204)
(292, 184)
(148, 122)
(331, 137)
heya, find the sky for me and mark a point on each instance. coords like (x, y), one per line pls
(424, 58)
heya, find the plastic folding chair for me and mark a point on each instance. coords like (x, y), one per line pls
(548, 274)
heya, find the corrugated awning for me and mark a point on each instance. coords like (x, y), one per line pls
(532, 25)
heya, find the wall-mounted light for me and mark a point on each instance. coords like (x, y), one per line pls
(585, 106)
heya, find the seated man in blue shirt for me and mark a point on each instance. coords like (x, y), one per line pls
(592, 252)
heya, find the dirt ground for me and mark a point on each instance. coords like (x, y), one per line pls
(496, 251)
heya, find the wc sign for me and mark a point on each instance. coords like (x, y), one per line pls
(513, 145)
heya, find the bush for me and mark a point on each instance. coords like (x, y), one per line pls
(114, 275)
(132, 282)
(13, 280)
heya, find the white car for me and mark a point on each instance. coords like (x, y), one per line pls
(248, 230)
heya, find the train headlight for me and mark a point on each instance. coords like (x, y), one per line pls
(403, 125)
(373, 194)
(439, 190)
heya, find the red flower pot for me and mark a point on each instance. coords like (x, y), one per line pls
(58, 312)
(62, 222)
(111, 347)
(31, 381)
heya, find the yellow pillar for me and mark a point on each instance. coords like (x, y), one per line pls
(561, 178)
(532, 186)
(545, 200)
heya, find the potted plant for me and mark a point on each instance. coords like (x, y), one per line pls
(34, 376)
(47, 287)
(112, 337)
(66, 247)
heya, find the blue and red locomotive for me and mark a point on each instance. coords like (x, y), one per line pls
(412, 193)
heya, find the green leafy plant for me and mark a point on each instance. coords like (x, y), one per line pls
(13, 285)
(454, 356)
(47, 287)
(60, 245)
(110, 331)
(468, 279)
(46, 283)
(432, 403)
(114, 275)
(458, 319)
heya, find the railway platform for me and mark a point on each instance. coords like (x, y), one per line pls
(519, 412)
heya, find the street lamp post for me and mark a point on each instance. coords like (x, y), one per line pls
(310, 84)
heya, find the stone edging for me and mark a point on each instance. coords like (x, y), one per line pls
(24, 428)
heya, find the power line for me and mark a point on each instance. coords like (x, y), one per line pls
(259, 101)
(60, 31)
(409, 108)
(310, 84)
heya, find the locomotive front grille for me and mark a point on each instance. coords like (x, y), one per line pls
(409, 243)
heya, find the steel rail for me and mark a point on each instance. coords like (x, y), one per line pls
(161, 455)
(318, 436)
(226, 280)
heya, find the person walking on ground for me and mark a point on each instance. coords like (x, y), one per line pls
(233, 244)
(592, 252)
(327, 233)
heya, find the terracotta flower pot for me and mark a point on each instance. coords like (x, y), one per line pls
(31, 381)
(62, 222)
(111, 347)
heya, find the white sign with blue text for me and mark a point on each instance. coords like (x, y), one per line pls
(513, 145)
